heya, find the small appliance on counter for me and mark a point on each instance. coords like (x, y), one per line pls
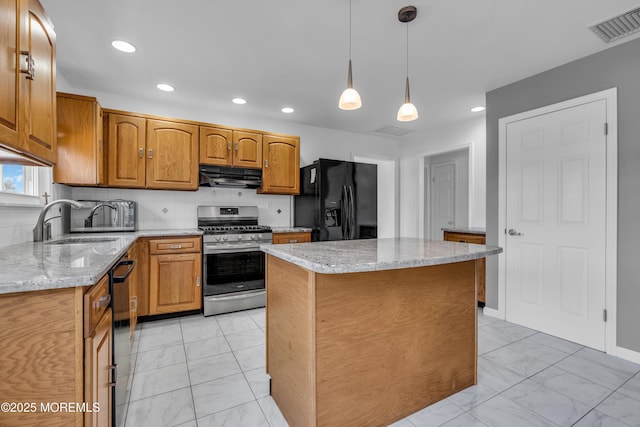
(97, 216)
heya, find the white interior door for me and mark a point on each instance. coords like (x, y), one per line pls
(443, 196)
(556, 223)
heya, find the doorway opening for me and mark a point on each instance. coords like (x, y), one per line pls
(446, 187)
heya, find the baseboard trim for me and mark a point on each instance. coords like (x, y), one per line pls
(492, 312)
(625, 353)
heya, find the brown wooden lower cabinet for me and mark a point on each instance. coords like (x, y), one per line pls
(297, 237)
(97, 368)
(175, 270)
(479, 239)
(56, 349)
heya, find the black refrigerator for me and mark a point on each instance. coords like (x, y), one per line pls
(338, 200)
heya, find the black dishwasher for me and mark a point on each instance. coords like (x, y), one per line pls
(122, 337)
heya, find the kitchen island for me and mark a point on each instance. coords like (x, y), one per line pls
(366, 332)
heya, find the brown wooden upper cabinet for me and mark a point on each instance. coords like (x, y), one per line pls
(81, 157)
(226, 147)
(281, 169)
(27, 80)
(172, 155)
(149, 153)
(126, 142)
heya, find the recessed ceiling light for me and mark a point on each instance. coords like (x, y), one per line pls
(165, 87)
(239, 101)
(123, 46)
(477, 109)
(287, 110)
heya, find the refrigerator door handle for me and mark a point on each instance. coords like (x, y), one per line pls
(344, 213)
(352, 214)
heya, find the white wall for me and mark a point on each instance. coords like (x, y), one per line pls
(160, 209)
(415, 147)
(315, 142)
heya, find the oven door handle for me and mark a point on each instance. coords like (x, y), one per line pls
(120, 279)
(212, 250)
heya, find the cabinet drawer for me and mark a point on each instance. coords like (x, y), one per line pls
(96, 301)
(464, 238)
(291, 237)
(174, 246)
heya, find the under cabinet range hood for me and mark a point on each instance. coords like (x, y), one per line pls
(223, 176)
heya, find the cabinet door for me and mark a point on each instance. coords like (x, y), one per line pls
(126, 151)
(247, 149)
(9, 72)
(98, 373)
(216, 146)
(134, 281)
(175, 283)
(281, 171)
(80, 145)
(172, 155)
(37, 119)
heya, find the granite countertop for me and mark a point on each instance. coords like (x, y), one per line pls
(351, 256)
(466, 230)
(290, 230)
(49, 265)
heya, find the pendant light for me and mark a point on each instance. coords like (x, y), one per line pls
(350, 98)
(407, 111)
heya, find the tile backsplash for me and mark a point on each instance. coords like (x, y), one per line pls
(159, 209)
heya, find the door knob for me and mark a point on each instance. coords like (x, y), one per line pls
(513, 232)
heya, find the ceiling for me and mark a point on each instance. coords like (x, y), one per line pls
(295, 52)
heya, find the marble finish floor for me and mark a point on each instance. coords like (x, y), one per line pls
(197, 371)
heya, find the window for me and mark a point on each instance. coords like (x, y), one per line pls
(24, 185)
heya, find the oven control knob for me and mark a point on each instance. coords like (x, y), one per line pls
(225, 238)
(254, 237)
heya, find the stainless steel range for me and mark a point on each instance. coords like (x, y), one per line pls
(233, 265)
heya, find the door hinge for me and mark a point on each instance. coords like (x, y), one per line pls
(606, 128)
(604, 315)
(433, 179)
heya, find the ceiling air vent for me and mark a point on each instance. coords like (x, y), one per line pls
(618, 27)
(393, 130)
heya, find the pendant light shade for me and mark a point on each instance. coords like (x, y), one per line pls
(407, 111)
(350, 98)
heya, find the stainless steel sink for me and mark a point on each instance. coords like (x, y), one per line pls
(81, 241)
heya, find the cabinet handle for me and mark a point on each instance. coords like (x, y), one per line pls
(102, 302)
(266, 163)
(176, 246)
(293, 241)
(31, 65)
(198, 281)
(141, 152)
(151, 153)
(236, 146)
(134, 300)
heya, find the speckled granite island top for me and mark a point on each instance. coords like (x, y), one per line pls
(351, 256)
(54, 264)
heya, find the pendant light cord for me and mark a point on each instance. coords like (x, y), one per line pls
(349, 30)
(407, 49)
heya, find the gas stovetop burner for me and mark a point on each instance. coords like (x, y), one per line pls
(234, 229)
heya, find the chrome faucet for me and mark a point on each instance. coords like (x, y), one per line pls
(39, 233)
(88, 222)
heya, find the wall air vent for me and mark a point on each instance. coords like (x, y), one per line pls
(618, 27)
(394, 130)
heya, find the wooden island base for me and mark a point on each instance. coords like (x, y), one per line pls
(367, 349)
